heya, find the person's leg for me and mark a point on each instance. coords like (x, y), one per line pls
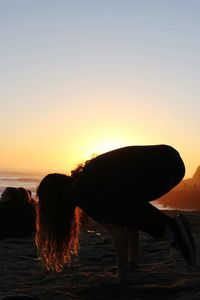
(139, 187)
(175, 230)
(120, 239)
(147, 218)
(133, 246)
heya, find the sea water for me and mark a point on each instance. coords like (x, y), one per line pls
(30, 181)
(27, 180)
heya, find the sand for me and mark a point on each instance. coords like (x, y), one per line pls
(92, 276)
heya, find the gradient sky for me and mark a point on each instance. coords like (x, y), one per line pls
(84, 76)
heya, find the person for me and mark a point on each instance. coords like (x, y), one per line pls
(10, 194)
(17, 213)
(115, 189)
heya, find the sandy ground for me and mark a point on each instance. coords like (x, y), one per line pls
(92, 276)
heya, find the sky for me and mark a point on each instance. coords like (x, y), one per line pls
(80, 78)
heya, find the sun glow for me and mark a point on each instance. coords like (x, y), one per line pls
(97, 140)
(106, 146)
(101, 146)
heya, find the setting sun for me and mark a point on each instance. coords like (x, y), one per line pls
(104, 146)
(91, 147)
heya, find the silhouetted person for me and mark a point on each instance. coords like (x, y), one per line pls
(17, 213)
(115, 189)
(10, 194)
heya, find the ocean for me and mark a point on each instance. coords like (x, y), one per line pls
(27, 180)
(30, 181)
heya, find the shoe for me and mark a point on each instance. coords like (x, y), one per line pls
(183, 240)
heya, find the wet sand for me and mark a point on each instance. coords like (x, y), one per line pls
(92, 276)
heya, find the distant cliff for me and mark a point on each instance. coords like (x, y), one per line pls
(186, 195)
(191, 183)
(196, 177)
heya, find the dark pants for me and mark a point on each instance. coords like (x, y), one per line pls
(144, 187)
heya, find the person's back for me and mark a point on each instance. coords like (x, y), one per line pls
(17, 215)
(26, 212)
(9, 220)
(107, 184)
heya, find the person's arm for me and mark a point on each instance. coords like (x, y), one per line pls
(125, 252)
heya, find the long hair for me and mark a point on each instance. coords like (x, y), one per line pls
(57, 222)
(24, 197)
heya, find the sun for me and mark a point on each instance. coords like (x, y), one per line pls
(99, 147)
(87, 148)
(108, 145)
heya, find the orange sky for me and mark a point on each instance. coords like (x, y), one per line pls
(61, 140)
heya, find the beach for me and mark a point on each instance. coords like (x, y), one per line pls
(92, 275)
